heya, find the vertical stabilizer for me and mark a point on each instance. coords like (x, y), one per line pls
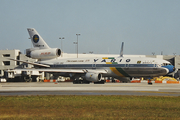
(37, 40)
(121, 52)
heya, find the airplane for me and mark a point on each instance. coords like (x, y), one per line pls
(93, 69)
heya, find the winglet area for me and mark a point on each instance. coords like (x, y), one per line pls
(121, 52)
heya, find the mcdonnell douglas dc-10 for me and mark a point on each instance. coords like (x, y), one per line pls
(93, 68)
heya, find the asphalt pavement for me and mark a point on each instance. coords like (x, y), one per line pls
(68, 88)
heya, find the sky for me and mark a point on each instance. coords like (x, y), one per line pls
(145, 26)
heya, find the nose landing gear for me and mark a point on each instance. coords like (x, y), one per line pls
(149, 82)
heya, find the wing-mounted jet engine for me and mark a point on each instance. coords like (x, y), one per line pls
(95, 77)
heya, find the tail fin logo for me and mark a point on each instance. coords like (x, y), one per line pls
(36, 38)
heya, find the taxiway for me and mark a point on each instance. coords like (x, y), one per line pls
(68, 88)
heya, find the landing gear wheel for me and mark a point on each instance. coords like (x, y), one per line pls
(100, 82)
(29, 79)
(77, 81)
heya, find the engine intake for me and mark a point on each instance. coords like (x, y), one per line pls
(95, 77)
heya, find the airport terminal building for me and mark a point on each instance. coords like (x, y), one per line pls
(7, 64)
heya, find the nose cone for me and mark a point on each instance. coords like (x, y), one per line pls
(170, 68)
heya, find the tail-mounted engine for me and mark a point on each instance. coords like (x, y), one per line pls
(43, 53)
(95, 77)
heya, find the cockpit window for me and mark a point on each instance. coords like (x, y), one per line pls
(165, 64)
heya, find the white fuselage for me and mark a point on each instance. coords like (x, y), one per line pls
(117, 67)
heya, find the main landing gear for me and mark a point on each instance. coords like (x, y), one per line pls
(82, 81)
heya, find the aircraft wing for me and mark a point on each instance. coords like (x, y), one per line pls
(66, 70)
(61, 70)
(32, 63)
(48, 69)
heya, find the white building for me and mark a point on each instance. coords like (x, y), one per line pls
(7, 64)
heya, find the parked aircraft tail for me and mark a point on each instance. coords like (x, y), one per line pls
(41, 50)
(36, 39)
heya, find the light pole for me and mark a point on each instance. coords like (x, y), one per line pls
(77, 44)
(61, 45)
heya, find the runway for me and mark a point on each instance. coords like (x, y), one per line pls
(68, 88)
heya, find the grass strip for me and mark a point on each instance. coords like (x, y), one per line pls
(75, 107)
